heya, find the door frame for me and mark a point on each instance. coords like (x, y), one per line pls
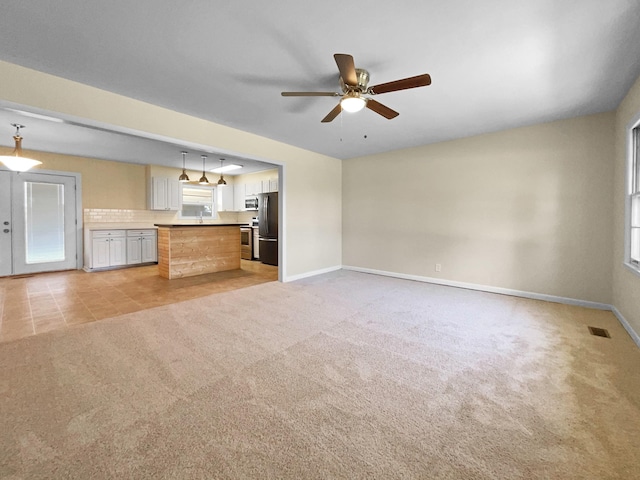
(79, 210)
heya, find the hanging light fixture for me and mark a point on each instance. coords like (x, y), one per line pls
(16, 161)
(203, 179)
(184, 177)
(221, 181)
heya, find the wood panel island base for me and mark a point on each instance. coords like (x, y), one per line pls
(189, 250)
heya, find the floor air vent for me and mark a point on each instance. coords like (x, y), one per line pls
(600, 332)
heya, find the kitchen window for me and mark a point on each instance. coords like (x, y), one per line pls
(197, 201)
(632, 255)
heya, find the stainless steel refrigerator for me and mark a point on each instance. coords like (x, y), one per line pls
(268, 227)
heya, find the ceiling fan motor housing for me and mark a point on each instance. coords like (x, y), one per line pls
(363, 82)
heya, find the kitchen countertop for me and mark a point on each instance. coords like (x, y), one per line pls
(117, 226)
(178, 225)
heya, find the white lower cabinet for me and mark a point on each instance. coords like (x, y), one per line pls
(115, 248)
(142, 246)
(150, 248)
(108, 248)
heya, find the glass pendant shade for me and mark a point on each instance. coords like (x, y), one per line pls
(203, 179)
(16, 161)
(352, 102)
(184, 177)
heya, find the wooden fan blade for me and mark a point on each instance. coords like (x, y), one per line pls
(381, 109)
(405, 83)
(332, 114)
(347, 69)
(310, 94)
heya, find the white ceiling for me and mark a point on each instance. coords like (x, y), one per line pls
(495, 64)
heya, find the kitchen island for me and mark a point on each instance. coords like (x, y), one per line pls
(186, 250)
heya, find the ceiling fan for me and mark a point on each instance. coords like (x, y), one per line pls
(354, 83)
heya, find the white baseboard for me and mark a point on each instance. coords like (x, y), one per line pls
(485, 288)
(293, 278)
(627, 326)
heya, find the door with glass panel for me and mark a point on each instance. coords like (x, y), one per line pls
(43, 212)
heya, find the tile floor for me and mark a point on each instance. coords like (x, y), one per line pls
(33, 304)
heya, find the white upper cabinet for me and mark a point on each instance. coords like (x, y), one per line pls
(226, 198)
(270, 185)
(164, 194)
(238, 197)
(253, 188)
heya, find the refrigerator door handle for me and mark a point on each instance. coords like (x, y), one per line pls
(266, 212)
(268, 239)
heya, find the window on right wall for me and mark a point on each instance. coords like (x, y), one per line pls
(632, 256)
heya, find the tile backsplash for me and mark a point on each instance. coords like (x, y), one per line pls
(114, 215)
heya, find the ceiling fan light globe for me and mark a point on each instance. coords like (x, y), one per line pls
(352, 103)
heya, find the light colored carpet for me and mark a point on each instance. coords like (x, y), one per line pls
(345, 375)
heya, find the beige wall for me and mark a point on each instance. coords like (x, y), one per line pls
(28, 87)
(626, 285)
(525, 209)
(255, 177)
(100, 179)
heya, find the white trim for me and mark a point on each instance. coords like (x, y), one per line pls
(485, 288)
(627, 326)
(629, 176)
(632, 268)
(282, 223)
(79, 209)
(293, 278)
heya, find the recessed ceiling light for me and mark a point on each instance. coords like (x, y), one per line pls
(226, 168)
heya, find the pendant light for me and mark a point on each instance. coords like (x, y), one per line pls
(203, 179)
(184, 177)
(16, 161)
(222, 181)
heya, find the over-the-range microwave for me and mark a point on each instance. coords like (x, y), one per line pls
(251, 203)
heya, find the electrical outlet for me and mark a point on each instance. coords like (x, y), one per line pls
(438, 267)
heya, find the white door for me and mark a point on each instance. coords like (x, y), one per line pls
(43, 209)
(5, 223)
